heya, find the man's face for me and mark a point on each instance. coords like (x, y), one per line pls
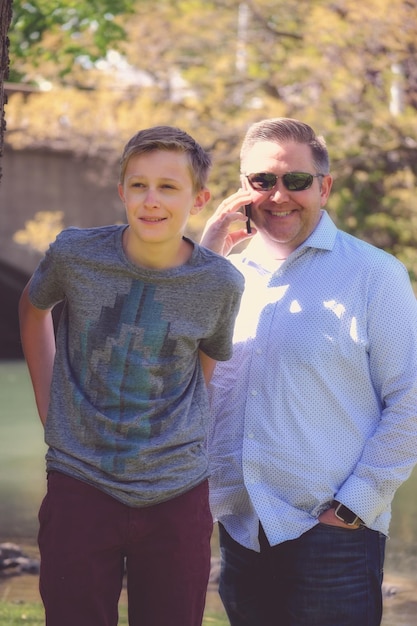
(285, 218)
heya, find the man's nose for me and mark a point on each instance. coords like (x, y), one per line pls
(279, 192)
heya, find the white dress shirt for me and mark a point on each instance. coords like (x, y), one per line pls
(319, 401)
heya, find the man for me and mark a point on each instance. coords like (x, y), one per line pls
(315, 417)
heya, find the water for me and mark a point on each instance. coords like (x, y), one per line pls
(22, 485)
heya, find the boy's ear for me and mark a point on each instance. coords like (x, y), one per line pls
(200, 200)
(120, 190)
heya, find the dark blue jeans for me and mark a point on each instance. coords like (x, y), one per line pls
(330, 576)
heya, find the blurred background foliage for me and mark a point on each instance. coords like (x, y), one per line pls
(105, 68)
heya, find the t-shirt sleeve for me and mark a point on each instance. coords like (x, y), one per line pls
(47, 284)
(219, 345)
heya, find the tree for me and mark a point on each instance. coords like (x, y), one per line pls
(5, 19)
(43, 30)
(214, 66)
(48, 36)
(334, 64)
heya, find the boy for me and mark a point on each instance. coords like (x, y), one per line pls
(122, 395)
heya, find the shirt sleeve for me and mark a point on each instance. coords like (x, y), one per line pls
(390, 454)
(219, 345)
(46, 288)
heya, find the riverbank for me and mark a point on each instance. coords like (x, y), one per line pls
(19, 595)
(12, 614)
(20, 600)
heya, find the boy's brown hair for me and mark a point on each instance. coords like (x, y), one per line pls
(169, 138)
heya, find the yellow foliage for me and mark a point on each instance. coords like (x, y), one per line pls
(41, 230)
(328, 62)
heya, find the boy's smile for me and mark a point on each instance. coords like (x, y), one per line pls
(159, 196)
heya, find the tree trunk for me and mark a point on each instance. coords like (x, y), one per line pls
(5, 19)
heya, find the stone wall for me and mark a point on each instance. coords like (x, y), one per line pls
(84, 189)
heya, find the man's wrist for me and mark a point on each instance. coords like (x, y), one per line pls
(345, 515)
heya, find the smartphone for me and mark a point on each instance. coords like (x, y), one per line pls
(248, 213)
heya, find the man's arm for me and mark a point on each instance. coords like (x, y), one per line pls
(38, 342)
(390, 452)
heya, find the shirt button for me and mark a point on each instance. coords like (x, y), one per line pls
(251, 435)
(254, 392)
(258, 351)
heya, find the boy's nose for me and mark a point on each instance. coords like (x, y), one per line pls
(151, 198)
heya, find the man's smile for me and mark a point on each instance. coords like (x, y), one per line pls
(280, 213)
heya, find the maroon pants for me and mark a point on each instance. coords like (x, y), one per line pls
(87, 538)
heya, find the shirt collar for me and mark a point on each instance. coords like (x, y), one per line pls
(323, 236)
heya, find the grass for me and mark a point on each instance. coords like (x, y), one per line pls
(13, 613)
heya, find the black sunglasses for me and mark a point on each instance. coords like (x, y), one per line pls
(293, 181)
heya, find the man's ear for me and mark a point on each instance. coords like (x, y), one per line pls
(326, 185)
(200, 200)
(244, 183)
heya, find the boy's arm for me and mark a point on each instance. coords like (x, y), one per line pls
(38, 342)
(208, 364)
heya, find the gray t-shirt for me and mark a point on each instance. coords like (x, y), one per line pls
(129, 404)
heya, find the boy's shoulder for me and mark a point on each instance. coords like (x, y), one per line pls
(222, 268)
(73, 240)
(73, 233)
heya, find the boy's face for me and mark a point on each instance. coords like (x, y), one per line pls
(159, 197)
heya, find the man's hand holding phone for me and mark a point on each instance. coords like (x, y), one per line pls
(217, 235)
(248, 213)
